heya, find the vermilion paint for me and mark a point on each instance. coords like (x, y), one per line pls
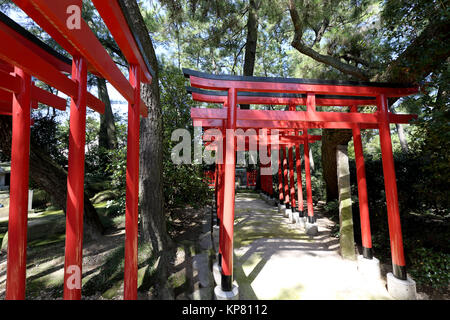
(395, 230)
(298, 163)
(75, 183)
(132, 192)
(362, 186)
(228, 211)
(18, 205)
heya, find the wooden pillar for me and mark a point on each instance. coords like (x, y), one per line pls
(362, 191)
(270, 177)
(390, 184)
(75, 184)
(280, 177)
(18, 206)
(291, 176)
(286, 181)
(132, 192)
(309, 200)
(228, 212)
(298, 163)
(221, 200)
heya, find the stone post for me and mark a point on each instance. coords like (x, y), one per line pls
(347, 240)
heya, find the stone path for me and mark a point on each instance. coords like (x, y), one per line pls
(277, 260)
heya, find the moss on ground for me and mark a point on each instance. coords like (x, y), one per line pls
(255, 227)
(252, 224)
(52, 239)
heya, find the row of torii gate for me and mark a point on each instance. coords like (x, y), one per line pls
(24, 57)
(230, 91)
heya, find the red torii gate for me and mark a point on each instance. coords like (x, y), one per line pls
(31, 57)
(289, 141)
(287, 194)
(233, 90)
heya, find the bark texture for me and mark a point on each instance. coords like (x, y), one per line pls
(250, 46)
(107, 138)
(151, 203)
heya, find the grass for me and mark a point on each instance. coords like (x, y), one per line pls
(55, 238)
(107, 217)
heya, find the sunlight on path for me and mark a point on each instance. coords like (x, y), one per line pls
(276, 260)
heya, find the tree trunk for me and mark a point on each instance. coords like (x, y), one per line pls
(151, 204)
(250, 46)
(331, 138)
(52, 178)
(107, 138)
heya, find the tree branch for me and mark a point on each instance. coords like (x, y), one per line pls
(329, 60)
(298, 27)
(348, 57)
(298, 44)
(425, 54)
(319, 33)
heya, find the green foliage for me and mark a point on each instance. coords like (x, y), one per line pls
(424, 219)
(117, 168)
(431, 138)
(430, 268)
(50, 136)
(183, 184)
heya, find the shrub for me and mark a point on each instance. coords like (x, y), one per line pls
(430, 268)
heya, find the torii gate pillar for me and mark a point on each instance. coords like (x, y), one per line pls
(18, 207)
(227, 290)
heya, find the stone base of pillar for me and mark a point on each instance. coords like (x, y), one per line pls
(287, 212)
(281, 208)
(296, 216)
(215, 235)
(311, 229)
(219, 294)
(369, 268)
(401, 289)
(292, 216)
(301, 222)
(217, 274)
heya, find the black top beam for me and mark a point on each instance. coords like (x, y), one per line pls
(31, 37)
(275, 94)
(188, 72)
